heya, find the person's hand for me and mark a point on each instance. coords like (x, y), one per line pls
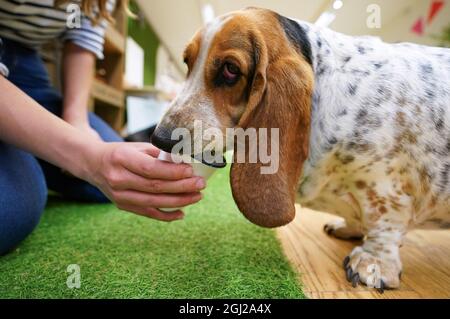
(129, 174)
(132, 177)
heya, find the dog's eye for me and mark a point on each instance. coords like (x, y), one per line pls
(230, 73)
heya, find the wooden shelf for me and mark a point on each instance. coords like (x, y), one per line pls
(114, 41)
(147, 91)
(107, 94)
(107, 98)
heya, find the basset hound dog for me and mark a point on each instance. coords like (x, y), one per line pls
(364, 128)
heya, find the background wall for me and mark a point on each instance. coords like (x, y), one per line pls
(176, 21)
(143, 34)
(395, 30)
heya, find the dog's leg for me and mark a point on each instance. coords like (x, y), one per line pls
(342, 230)
(349, 227)
(377, 262)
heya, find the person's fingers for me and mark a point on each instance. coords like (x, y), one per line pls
(147, 166)
(147, 148)
(141, 199)
(154, 213)
(131, 181)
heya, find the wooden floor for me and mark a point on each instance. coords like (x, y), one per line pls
(318, 258)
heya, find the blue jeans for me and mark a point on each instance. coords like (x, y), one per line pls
(24, 180)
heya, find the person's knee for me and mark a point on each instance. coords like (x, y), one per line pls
(22, 199)
(18, 220)
(36, 208)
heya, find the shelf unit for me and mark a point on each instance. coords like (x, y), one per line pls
(147, 91)
(107, 97)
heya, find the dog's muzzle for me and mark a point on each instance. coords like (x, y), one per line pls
(162, 139)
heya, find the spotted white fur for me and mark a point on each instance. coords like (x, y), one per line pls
(380, 144)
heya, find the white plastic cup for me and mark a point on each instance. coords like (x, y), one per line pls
(200, 169)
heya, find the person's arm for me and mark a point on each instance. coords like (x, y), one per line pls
(129, 174)
(78, 71)
(82, 46)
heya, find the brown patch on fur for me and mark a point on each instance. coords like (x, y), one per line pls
(332, 170)
(344, 159)
(424, 180)
(192, 50)
(383, 209)
(393, 199)
(371, 194)
(408, 188)
(233, 44)
(404, 137)
(400, 119)
(361, 184)
(363, 147)
(409, 136)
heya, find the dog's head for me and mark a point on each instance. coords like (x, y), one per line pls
(250, 69)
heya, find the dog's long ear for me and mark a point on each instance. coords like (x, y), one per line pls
(280, 98)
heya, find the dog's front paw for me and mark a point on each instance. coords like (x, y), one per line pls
(380, 273)
(339, 229)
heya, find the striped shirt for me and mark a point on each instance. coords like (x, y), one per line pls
(3, 69)
(35, 22)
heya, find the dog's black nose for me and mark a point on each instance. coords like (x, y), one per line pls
(162, 139)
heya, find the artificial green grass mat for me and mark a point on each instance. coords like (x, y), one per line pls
(213, 253)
